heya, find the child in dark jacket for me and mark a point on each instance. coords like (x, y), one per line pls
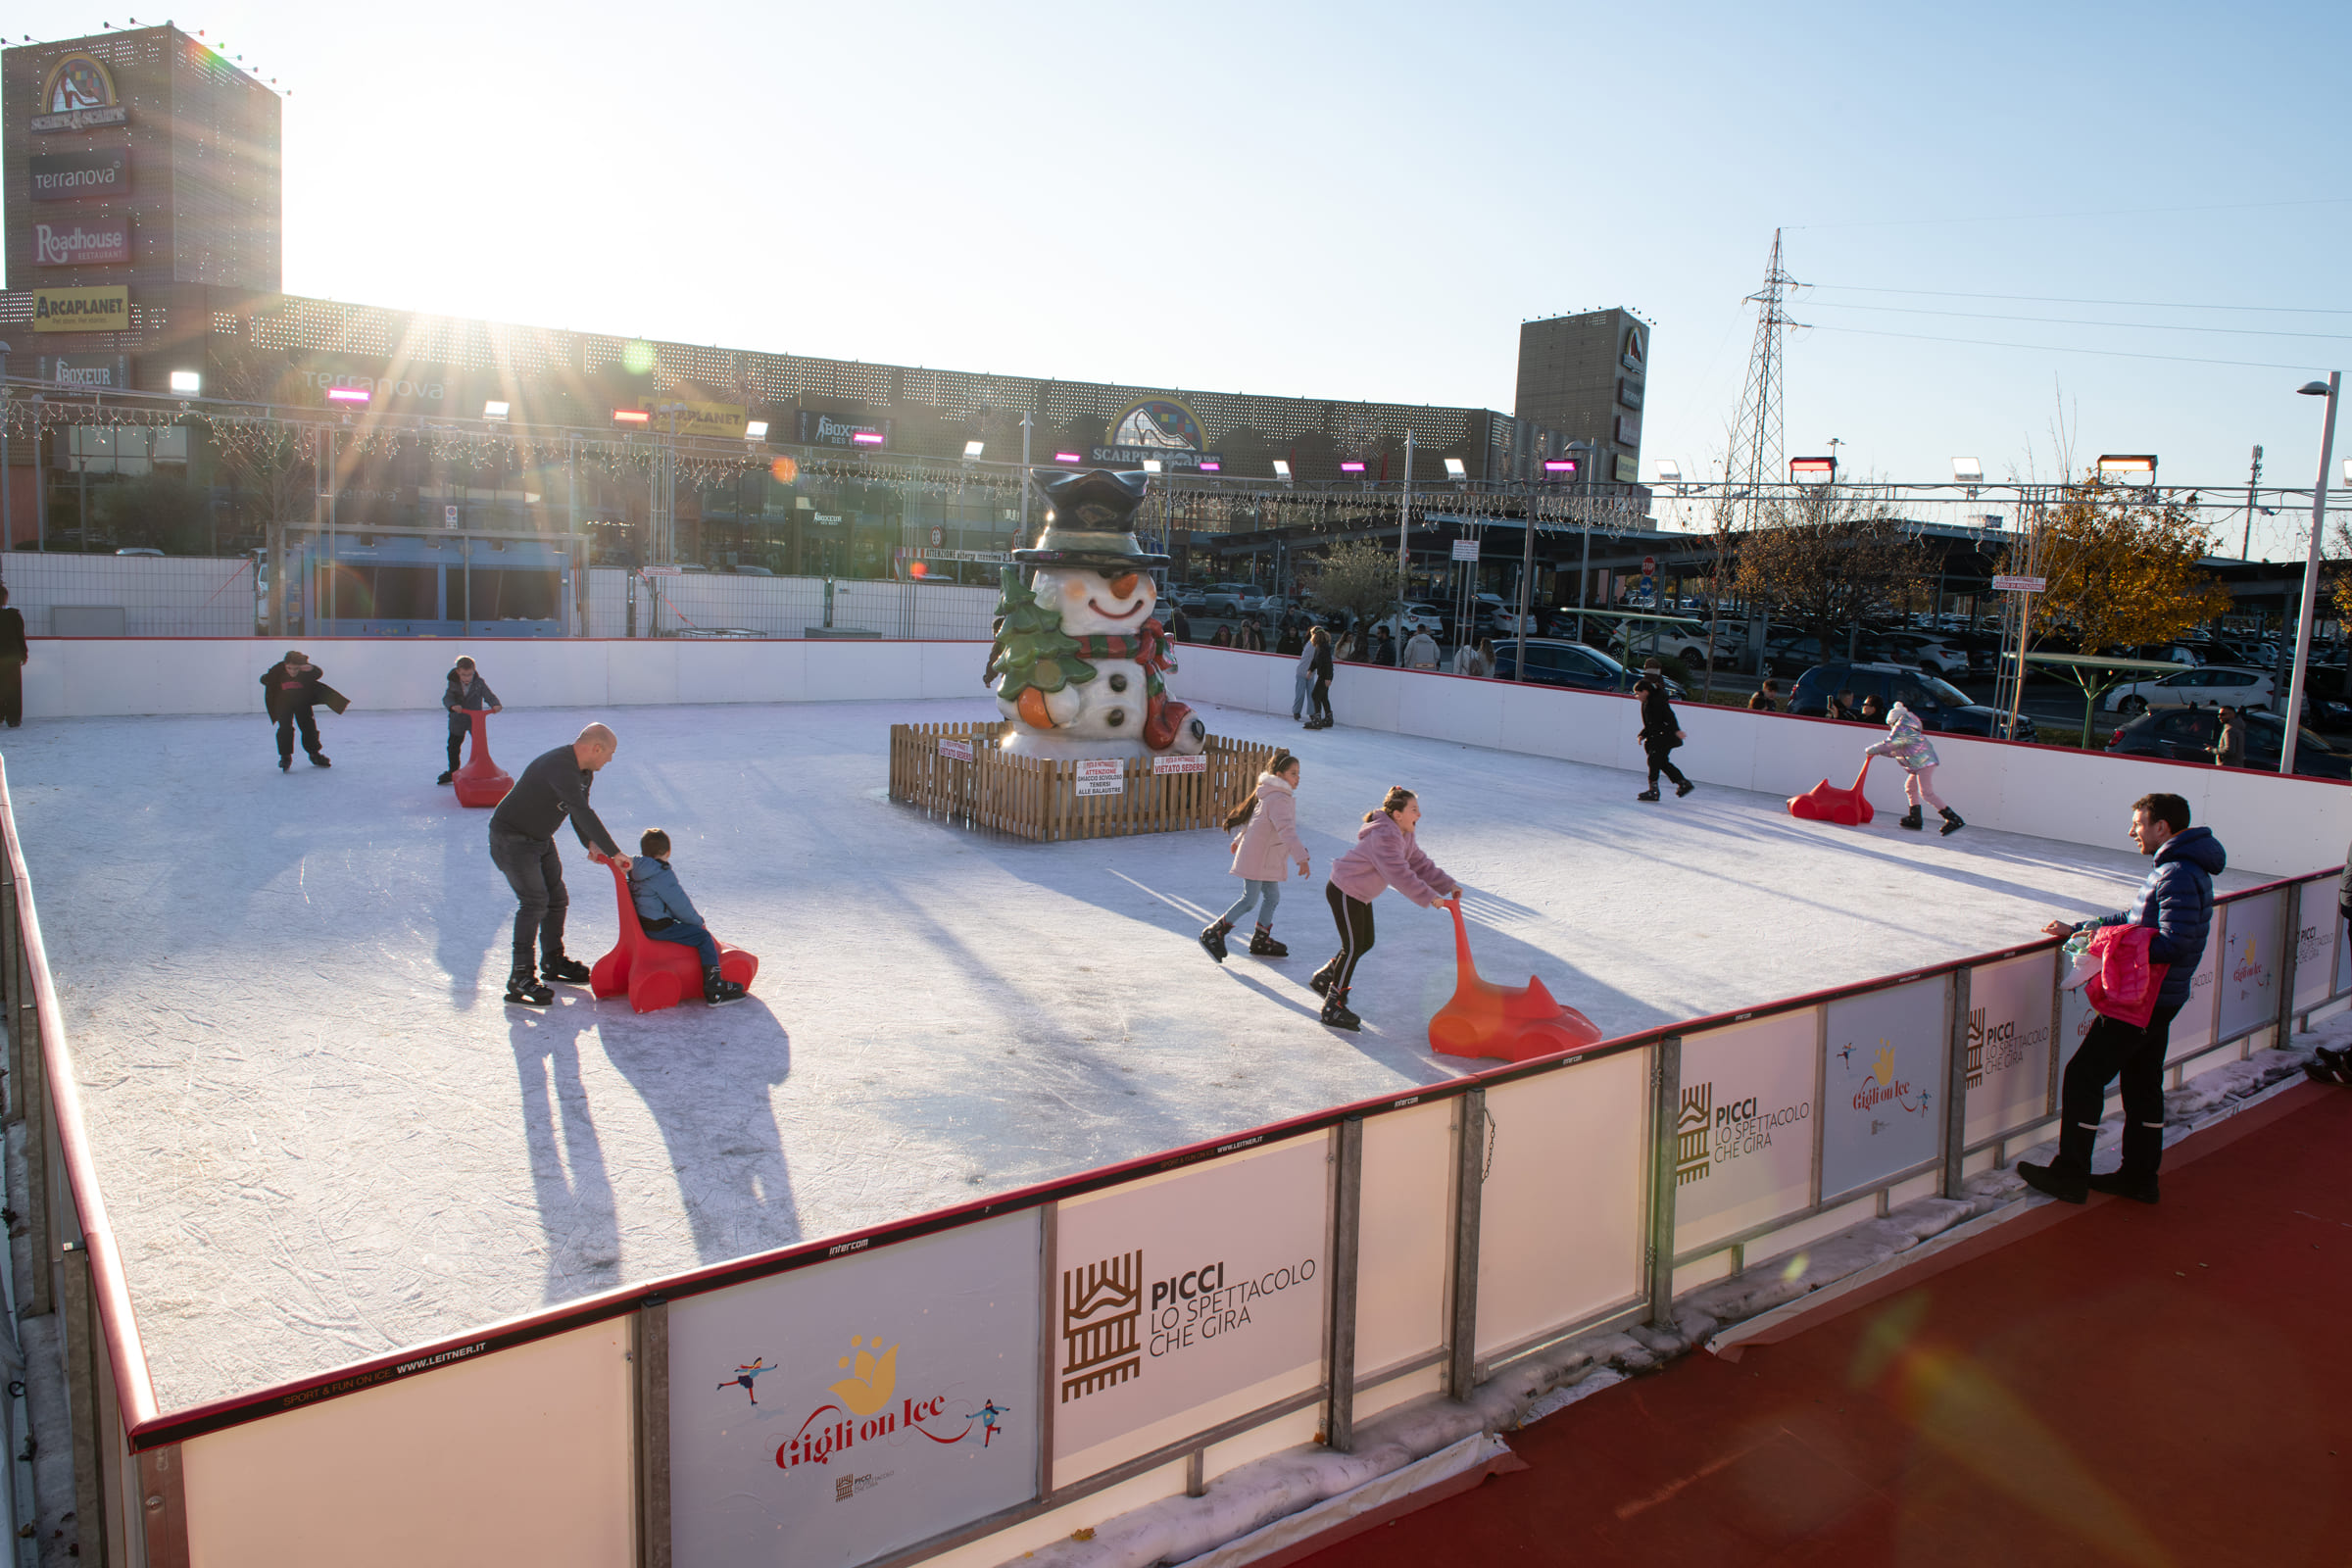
(667, 915)
(467, 693)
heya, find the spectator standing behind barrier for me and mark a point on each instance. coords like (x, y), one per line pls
(1384, 649)
(1304, 676)
(2230, 744)
(2176, 902)
(522, 846)
(1386, 855)
(1660, 735)
(1421, 651)
(294, 687)
(2335, 1066)
(465, 693)
(1477, 661)
(1764, 700)
(1180, 626)
(1319, 657)
(14, 653)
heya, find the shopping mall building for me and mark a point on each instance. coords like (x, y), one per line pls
(144, 222)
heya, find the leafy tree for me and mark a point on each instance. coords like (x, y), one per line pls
(1356, 579)
(1830, 558)
(2121, 564)
(1032, 652)
(160, 510)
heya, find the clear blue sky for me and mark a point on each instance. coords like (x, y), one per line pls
(1365, 201)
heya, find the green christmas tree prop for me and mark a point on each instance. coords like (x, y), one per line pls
(1031, 649)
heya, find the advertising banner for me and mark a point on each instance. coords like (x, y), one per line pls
(1882, 1084)
(818, 430)
(846, 1411)
(1186, 1299)
(81, 309)
(2315, 946)
(2248, 978)
(1743, 1137)
(74, 241)
(109, 370)
(2193, 1025)
(74, 176)
(1175, 460)
(2009, 1041)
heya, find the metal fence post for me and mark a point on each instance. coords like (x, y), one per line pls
(1956, 1077)
(1469, 1174)
(649, 1397)
(9, 971)
(30, 1095)
(1665, 1137)
(1346, 1234)
(83, 1393)
(164, 1508)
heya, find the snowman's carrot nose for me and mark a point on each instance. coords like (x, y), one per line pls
(1124, 586)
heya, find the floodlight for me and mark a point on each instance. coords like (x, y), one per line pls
(866, 439)
(188, 381)
(1812, 470)
(1669, 472)
(1968, 470)
(973, 449)
(1067, 457)
(1352, 467)
(1151, 465)
(1212, 468)
(355, 395)
(631, 417)
(1455, 469)
(2140, 463)
(754, 430)
(1560, 466)
(1282, 469)
(494, 409)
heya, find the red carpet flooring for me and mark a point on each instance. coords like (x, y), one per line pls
(2131, 1385)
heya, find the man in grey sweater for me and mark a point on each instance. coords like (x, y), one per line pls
(523, 845)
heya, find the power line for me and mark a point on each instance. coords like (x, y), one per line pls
(2052, 348)
(2065, 299)
(2076, 320)
(2110, 211)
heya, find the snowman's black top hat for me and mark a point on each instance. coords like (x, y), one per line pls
(1093, 522)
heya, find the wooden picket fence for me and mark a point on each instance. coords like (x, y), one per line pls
(1037, 798)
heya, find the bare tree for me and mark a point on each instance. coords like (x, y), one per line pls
(1830, 558)
(269, 461)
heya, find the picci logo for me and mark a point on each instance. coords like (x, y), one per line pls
(1110, 1333)
(1997, 1048)
(1708, 1134)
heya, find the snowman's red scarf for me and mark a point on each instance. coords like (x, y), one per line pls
(1149, 647)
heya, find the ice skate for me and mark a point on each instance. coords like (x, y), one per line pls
(525, 988)
(1684, 788)
(1646, 795)
(717, 988)
(445, 777)
(1263, 945)
(1322, 978)
(1913, 820)
(1951, 821)
(571, 972)
(1336, 1015)
(1212, 939)
(319, 760)
(285, 764)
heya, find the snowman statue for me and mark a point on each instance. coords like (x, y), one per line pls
(1079, 663)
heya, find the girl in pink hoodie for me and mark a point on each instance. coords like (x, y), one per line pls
(1385, 857)
(1268, 817)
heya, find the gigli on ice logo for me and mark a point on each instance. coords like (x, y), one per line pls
(866, 1408)
(872, 1376)
(2248, 967)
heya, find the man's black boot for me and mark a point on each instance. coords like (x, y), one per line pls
(571, 972)
(2135, 1178)
(524, 987)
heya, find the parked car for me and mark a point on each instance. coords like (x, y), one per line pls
(137, 550)
(1556, 662)
(1686, 640)
(1940, 704)
(1935, 655)
(1217, 601)
(2186, 735)
(2194, 688)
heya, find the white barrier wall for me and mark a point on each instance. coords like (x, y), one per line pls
(2283, 826)
(159, 596)
(786, 607)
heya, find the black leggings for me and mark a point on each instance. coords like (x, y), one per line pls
(1658, 763)
(1319, 700)
(1354, 918)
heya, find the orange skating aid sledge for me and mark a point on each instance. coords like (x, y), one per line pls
(481, 781)
(1825, 801)
(1512, 1023)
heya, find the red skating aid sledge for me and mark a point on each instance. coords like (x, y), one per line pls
(658, 974)
(1825, 801)
(481, 781)
(1514, 1023)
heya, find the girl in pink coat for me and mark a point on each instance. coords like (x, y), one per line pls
(1385, 857)
(1259, 856)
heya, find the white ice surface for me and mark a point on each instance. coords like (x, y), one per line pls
(322, 1135)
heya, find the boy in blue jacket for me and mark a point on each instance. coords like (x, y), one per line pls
(669, 915)
(465, 693)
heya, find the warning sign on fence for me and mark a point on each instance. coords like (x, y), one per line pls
(960, 750)
(1196, 764)
(1101, 775)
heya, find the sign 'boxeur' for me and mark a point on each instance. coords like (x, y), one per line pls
(1185, 1300)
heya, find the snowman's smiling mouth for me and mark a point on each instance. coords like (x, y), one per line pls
(1119, 615)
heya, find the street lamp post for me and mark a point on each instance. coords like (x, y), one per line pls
(8, 520)
(2311, 567)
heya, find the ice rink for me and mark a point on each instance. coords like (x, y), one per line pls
(324, 1135)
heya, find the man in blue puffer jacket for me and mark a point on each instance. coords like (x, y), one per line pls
(2176, 902)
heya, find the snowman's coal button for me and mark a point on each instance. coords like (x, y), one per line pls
(1119, 683)
(1115, 718)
